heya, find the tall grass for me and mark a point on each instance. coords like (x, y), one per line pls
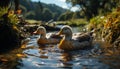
(108, 27)
(74, 22)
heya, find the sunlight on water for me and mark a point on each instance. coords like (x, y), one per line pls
(53, 58)
(50, 57)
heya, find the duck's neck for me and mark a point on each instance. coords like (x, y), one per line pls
(43, 35)
(68, 36)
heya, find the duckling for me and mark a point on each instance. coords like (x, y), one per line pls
(42, 40)
(67, 43)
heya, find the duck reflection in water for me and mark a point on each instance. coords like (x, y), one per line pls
(66, 57)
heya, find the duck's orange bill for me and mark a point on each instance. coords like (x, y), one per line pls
(36, 32)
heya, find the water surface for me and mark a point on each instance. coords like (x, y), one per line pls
(50, 57)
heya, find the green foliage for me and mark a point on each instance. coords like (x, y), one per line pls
(112, 27)
(69, 15)
(2, 12)
(62, 17)
(96, 22)
(30, 14)
(107, 27)
(78, 22)
(74, 22)
(37, 10)
(9, 33)
(92, 8)
(13, 18)
(47, 14)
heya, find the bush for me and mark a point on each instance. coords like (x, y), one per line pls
(111, 29)
(9, 33)
(98, 24)
(108, 27)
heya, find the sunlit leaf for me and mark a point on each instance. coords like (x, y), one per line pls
(23, 46)
(21, 55)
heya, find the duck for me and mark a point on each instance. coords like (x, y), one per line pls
(53, 38)
(67, 43)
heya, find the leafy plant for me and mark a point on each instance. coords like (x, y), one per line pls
(2, 12)
(12, 17)
(108, 27)
(112, 27)
(9, 32)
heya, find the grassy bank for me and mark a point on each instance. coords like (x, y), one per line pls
(108, 30)
(73, 22)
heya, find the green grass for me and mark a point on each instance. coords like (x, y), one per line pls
(73, 22)
(33, 21)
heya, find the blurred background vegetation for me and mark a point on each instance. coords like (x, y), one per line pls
(102, 15)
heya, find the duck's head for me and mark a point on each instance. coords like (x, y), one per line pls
(66, 30)
(40, 30)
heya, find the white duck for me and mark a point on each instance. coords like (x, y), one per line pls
(53, 39)
(80, 42)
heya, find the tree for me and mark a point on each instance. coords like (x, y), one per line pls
(40, 6)
(16, 4)
(5, 3)
(47, 14)
(66, 16)
(61, 17)
(76, 15)
(91, 7)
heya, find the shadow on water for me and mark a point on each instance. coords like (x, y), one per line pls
(50, 57)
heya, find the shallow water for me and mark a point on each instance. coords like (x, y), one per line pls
(53, 58)
(50, 57)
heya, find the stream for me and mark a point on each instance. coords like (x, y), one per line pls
(50, 57)
(53, 58)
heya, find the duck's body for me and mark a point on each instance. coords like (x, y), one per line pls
(43, 39)
(80, 42)
(83, 37)
(73, 45)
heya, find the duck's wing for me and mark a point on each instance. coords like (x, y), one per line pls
(81, 45)
(48, 41)
(56, 36)
(48, 35)
(53, 41)
(73, 45)
(75, 36)
(83, 37)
